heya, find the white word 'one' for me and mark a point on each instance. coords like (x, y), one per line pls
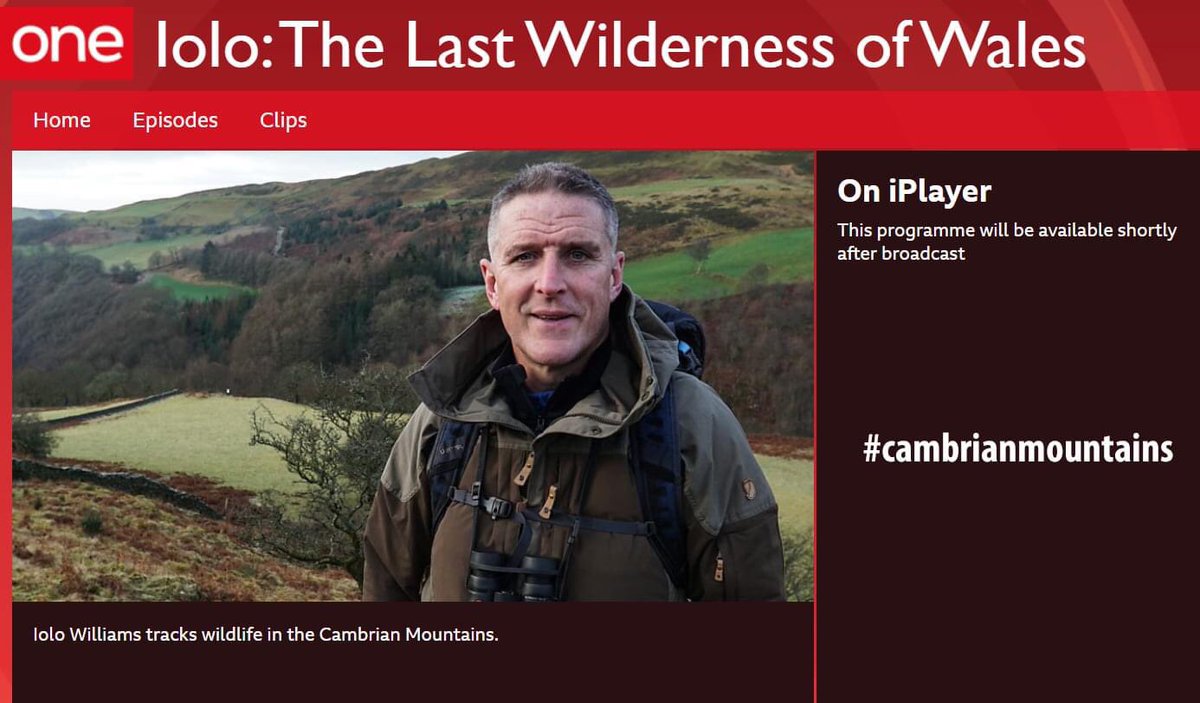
(94, 45)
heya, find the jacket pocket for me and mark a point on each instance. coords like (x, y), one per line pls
(752, 555)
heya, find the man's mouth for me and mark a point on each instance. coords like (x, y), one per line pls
(550, 316)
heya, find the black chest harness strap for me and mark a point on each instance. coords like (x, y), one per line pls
(655, 466)
(499, 509)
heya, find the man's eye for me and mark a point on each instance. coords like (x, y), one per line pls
(525, 256)
(579, 255)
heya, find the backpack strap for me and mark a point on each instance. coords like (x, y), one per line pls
(449, 457)
(657, 470)
(690, 333)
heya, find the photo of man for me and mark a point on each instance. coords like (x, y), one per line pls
(544, 403)
(212, 367)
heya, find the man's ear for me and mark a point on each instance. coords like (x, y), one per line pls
(618, 276)
(488, 270)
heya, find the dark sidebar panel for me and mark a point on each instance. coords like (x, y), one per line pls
(1006, 399)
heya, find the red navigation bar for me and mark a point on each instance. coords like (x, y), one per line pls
(611, 120)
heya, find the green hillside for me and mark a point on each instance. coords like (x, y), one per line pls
(196, 290)
(206, 435)
(139, 252)
(664, 197)
(786, 256)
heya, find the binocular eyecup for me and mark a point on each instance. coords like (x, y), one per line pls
(491, 579)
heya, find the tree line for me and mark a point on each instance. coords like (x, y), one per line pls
(760, 357)
(80, 335)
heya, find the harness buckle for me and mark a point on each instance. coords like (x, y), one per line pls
(497, 508)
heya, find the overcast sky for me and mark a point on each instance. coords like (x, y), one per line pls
(98, 180)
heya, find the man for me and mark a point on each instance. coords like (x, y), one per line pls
(559, 380)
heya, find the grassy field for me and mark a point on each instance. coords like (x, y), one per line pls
(206, 435)
(209, 436)
(214, 208)
(138, 549)
(139, 252)
(196, 290)
(672, 277)
(792, 482)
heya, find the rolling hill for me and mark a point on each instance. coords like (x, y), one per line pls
(666, 199)
(21, 213)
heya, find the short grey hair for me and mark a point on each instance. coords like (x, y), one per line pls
(555, 176)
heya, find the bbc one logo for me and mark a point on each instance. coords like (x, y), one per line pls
(66, 43)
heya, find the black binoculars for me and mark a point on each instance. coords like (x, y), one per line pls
(491, 579)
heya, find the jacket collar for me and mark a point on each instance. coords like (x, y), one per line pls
(510, 381)
(456, 384)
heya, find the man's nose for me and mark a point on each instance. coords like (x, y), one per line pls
(550, 279)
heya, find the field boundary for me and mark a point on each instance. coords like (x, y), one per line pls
(111, 410)
(136, 484)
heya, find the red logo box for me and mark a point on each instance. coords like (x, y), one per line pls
(66, 43)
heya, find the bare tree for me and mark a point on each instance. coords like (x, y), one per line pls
(337, 453)
(700, 251)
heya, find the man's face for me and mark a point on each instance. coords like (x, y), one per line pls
(552, 277)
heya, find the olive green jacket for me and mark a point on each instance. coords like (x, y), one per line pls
(733, 543)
